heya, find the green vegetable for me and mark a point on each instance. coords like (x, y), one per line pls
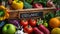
(51, 15)
(43, 2)
(27, 5)
(45, 24)
(29, 1)
(39, 21)
(48, 16)
(57, 13)
(57, 3)
(2, 13)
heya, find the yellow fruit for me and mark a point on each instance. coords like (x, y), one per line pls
(54, 22)
(17, 5)
(55, 31)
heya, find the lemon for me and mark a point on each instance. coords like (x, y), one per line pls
(55, 31)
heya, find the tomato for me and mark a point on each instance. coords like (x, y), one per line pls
(24, 23)
(28, 29)
(32, 22)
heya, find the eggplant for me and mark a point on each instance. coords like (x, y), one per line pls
(14, 22)
(37, 31)
(43, 29)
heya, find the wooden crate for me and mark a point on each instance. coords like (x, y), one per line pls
(16, 13)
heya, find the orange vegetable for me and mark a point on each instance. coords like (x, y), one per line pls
(54, 22)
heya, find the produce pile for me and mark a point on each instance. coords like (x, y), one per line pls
(27, 4)
(48, 25)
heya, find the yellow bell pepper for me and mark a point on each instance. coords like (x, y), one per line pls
(17, 5)
(6, 13)
(15, 0)
(2, 7)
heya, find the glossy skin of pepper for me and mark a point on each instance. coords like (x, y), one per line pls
(6, 13)
(17, 5)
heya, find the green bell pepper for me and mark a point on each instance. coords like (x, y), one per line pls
(2, 13)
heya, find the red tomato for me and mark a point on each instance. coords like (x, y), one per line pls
(32, 22)
(24, 23)
(28, 29)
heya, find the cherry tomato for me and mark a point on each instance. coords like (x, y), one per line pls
(32, 22)
(24, 23)
(28, 29)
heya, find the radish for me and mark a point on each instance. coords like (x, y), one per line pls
(44, 29)
(37, 31)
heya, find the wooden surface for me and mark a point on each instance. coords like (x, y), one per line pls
(33, 9)
(16, 13)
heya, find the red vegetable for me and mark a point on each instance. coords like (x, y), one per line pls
(44, 29)
(50, 4)
(24, 23)
(37, 5)
(32, 22)
(37, 31)
(28, 29)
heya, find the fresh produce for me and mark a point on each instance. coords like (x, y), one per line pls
(58, 17)
(20, 31)
(2, 23)
(37, 5)
(9, 29)
(55, 31)
(27, 5)
(32, 22)
(16, 0)
(37, 31)
(57, 13)
(2, 7)
(45, 24)
(28, 29)
(54, 22)
(41, 1)
(57, 3)
(3, 13)
(17, 5)
(43, 29)
(14, 22)
(24, 23)
(50, 4)
(48, 16)
(39, 21)
(29, 1)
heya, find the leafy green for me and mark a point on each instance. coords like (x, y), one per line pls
(27, 5)
(57, 3)
(44, 2)
(57, 13)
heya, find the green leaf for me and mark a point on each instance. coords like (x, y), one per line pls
(57, 13)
